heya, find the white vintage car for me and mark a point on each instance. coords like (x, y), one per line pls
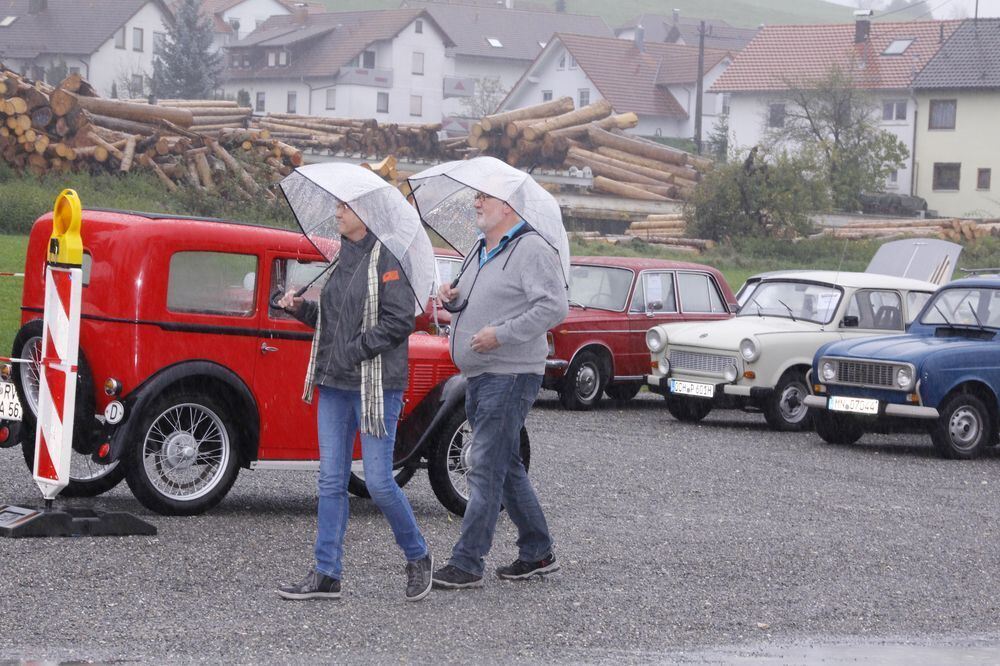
(759, 358)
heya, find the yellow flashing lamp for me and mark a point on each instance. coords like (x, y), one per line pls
(65, 246)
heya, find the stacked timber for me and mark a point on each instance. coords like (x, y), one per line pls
(667, 230)
(68, 127)
(356, 136)
(956, 230)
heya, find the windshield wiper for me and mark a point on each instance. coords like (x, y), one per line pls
(577, 304)
(790, 313)
(754, 301)
(943, 315)
(978, 320)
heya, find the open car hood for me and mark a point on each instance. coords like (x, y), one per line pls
(929, 259)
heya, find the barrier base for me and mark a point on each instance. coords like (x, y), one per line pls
(20, 522)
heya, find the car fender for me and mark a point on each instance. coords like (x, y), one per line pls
(136, 401)
(941, 373)
(590, 344)
(452, 394)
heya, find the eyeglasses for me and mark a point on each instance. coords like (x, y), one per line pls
(482, 196)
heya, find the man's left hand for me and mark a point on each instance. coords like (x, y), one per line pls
(485, 340)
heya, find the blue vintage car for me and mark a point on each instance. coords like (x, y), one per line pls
(944, 371)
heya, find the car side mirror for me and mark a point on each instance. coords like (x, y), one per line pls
(654, 306)
(734, 308)
(850, 321)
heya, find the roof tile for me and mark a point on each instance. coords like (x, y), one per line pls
(969, 59)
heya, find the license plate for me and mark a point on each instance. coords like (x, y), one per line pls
(839, 403)
(10, 406)
(692, 388)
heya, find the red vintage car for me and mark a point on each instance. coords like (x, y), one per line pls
(601, 345)
(187, 371)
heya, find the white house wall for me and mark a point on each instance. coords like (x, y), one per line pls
(748, 114)
(478, 67)
(251, 14)
(109, 64)
(565, 82)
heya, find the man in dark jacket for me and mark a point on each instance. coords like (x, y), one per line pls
(359, 364)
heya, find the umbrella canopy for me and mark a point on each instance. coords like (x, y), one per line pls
(445, 193)
(314, 191)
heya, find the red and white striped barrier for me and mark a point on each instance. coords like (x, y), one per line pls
(60, 349)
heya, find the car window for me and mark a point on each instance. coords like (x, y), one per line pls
(965, 307)
(915, 301)
(795, 300)
(699, 293)
(212, 283)
(879, 310)
(601, 287)
(655, 293)
(294, 274)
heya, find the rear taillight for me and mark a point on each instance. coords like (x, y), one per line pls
(4, 434)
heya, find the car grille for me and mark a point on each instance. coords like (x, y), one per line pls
(700, 362)
(865, 373)
(425, 376)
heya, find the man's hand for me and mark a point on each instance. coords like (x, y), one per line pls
(290, 302)
(485, 340)
(446, 293)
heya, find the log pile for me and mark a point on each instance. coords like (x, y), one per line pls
(554, 134)
(955, 230)
(669, 231)
(45, 129)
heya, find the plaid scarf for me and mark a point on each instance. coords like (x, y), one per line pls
(372, 399)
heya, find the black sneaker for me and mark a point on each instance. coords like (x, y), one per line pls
(314, 586)
(520, 570)
(453, 578)
(418, 578)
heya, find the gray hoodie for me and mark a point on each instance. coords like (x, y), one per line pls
(342, 344)
(522, 292)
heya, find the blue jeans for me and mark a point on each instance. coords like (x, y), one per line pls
(338, 417)
(497, 406)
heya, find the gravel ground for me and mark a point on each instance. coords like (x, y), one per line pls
(720, 542)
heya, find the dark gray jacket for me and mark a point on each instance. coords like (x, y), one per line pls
(342, 344)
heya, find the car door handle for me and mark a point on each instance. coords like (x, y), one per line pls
(266, 348)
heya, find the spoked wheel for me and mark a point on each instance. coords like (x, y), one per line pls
(785, 409)
(449, 464)
(86, 477)
(186, 461)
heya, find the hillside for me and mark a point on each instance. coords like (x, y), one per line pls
(750, 13)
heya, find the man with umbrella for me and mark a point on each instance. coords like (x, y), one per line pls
(511, 291)
(358, 362)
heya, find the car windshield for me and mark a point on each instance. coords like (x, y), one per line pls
(977, 306)
(599, 287)
(794, 300)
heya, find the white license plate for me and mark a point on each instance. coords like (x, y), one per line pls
(10, 406)
(839, 403)
(692, 388)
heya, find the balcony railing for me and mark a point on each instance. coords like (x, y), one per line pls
(360, 76)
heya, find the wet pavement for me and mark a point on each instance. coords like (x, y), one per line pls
(716, 543)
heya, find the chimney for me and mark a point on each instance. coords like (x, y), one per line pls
(677, 16)
(640, 37)
(300, 13)
(862, 25)
(37, 6)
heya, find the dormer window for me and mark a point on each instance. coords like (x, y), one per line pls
(7, 20)
(368, 60)
(282, 58)
(494, 42)
(897, 47)
(272, 58)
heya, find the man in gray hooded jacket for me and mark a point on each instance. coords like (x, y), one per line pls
(352, 339)
(510, 295)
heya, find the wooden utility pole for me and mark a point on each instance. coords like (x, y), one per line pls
(699, 93)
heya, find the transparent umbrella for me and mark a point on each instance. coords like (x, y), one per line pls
(445, 193)
(314, 191)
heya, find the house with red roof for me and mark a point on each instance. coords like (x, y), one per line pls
(389, 64)
(882, 57)
(657, 81)
(232, 20)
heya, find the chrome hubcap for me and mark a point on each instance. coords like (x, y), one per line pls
(587, 381)
(180, 450)
(964, 427)
(791, 406)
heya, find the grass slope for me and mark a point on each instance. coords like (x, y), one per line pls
(12, 249)
(747, 13)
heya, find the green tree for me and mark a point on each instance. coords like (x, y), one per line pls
(243, 97)
(717, 140)
(186, 67)
(761, 195)
(486, 98)
(834, 122)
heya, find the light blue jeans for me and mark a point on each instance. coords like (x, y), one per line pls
(339, 413)
(497, 406)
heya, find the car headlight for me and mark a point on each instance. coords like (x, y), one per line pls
(656, 339)
(829, 371)
(731, 372)
(664, 366)
(904, 378)
(749, 349)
